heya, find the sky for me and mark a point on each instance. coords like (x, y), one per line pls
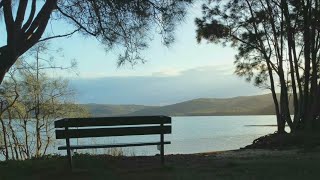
(184, 71)
(213, 81)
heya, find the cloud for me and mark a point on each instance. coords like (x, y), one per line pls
(167, 72)
(164, 87)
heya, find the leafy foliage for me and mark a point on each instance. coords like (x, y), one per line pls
(278, 49)
(124, 23)
(127, 25)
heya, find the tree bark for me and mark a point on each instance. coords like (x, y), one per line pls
(26, 136)
(22, 38)
(306, 39)
(7, 59)
(280, 121)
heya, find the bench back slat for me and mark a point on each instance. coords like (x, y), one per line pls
(117, 131)
(112, 121)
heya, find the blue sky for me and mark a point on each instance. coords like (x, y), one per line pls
(184, 71)
(163, 89)
(184, 54)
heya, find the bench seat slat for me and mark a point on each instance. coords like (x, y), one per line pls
(111, 121)
(96, 146)
(119, 131)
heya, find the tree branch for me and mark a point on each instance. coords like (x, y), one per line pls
(75, 21)
(39, 24)
(42, 16)
(8, 18)
(155, 6)
(59, 36)
(244, 42)
(31, 16)
(20, 13)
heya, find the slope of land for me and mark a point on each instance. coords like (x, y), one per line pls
(242, 105)
(100, 110)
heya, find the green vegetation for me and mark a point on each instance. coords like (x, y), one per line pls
(30, 102)
(276, 165)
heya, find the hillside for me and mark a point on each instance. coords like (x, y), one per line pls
(243, 105)
(100, 110)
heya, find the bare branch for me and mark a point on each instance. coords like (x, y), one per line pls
(60, 36)
(42, 17)
(20, 13)
(31, 16)
(39, 25)
(8, 18)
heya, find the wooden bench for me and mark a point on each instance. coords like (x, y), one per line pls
(112, 126)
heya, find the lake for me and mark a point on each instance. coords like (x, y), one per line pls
(194, 134)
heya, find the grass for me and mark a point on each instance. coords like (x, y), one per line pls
(297, 165)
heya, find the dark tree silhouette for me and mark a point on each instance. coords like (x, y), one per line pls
(278, 46)
(113, 22)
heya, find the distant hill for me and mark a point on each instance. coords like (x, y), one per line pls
(100, 110)
(243, 105)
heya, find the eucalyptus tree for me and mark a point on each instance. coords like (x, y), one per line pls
(278, 45)
(121, 23)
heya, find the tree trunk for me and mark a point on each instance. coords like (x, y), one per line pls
(13, 136)
(4, 132)
(48, 136)
(11, 147)
(317, 106)
(3, 72)
(26, 136)
(314, 75)
(38, 139)
(306, 40)
(294, 71)
(7, 59)
(280, 124)
(294, 90)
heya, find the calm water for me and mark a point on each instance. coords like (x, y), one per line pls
(195, 134)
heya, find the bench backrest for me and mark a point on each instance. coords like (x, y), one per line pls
(112, 126)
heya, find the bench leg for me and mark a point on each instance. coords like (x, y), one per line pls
(69, 153)
(162, 148)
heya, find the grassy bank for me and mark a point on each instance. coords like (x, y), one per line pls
(246, 164)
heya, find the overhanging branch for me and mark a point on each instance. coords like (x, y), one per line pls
(1, 4)
(75, 21)
(59, 36)
(31, 16)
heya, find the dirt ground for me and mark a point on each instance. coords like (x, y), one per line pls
(236, 164)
